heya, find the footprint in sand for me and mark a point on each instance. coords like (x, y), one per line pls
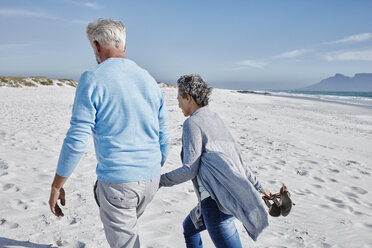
(350, 162)
(3, 174)
(45, 219)
(10, 186)
(332, 180)
(344, 206)
(61, 242)
(357, 213)
(3, 165)
(317, 186)
(364, 173)
(334, 200)
(303, 192)
(81, 198)
(18, 204)
(319, 179)
(324, 206)
(75, 220)
(334, 170)
(2, 134)
(8, 225)
(190, 190)
(368, 225)
(311, 162)
(350, 195)
(339, 203)
(275, 167)
(359, 190)
(281, 162)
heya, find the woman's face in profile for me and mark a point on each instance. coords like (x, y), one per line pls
(184, 105)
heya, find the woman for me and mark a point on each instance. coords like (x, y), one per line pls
(225, 186)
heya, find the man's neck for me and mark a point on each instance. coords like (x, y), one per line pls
(112, 53)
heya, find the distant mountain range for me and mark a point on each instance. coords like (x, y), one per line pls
(361, 82)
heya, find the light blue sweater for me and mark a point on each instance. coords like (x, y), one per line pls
(124, 108)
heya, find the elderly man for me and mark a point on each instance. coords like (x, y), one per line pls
(125, 109)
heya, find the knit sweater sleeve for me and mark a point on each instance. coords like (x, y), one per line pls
(81, 126)
(164, 135)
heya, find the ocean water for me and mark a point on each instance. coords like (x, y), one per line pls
(362, 99)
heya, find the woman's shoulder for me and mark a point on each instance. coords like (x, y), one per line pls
(201, 120)
(190, 122)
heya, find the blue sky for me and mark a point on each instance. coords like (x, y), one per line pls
(232, 44)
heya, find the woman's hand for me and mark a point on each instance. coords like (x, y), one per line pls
(267, 193)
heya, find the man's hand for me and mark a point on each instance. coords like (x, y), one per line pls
(55, 195)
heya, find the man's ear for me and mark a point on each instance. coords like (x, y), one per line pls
(97, 46)
(125, 48)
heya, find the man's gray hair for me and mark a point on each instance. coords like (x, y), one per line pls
(196, 87)
(107, 32)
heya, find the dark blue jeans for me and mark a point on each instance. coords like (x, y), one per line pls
(220, 226)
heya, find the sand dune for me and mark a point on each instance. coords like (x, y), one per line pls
(322, 151)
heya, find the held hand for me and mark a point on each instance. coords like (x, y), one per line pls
(267, 193)
(55, 195)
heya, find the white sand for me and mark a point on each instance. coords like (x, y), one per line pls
(322, 151)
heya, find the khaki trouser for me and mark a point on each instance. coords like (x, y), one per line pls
(121, 204)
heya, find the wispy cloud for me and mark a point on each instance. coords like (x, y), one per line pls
(356, 55)
(352, 38)
(7, 46)
(81, 22)
(90, 5)
(33, 14)
(361, 55)
(291, 54)
(10, 46)
(285, 55)
(253, 63)
(25, 13)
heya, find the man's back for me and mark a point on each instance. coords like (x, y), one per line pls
(123, 106)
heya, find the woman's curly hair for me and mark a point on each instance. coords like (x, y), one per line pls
(196, 87)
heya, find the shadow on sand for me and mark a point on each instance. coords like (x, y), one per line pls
(9, 243)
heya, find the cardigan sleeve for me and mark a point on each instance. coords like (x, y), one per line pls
(192, 146)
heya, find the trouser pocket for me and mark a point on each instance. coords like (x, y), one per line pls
(95, 193)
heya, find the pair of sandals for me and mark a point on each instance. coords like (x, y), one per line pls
(281, 207)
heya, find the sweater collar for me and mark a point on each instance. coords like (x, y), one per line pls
(199, 110)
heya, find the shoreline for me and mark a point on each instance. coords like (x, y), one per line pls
(294, 96)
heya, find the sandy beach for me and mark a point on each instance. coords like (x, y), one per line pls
(322, 151)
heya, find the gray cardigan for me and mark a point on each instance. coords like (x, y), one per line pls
(209, 151)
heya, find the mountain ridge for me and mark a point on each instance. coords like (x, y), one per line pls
(361, 82)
